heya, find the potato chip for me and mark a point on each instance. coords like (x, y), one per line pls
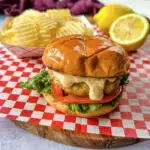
(27, 15)
(45, 40)
(8, 23)
(61, 15)
(70, 28)
(45, 23)
(34, 28)
(19, 19)
(25, 33)
(46, 27)
(7, 35)
(30, 13)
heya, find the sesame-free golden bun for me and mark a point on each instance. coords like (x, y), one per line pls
(92, 56)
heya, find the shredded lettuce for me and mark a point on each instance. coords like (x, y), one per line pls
(40, 82)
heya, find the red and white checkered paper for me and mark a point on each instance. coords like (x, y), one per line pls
(24, 51)
(130, 119)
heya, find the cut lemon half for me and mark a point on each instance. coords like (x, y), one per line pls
(129, 31)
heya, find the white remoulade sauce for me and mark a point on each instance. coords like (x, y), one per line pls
(96, 85)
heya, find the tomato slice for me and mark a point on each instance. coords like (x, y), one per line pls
(58, 94)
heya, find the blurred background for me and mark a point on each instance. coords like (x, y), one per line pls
(14, 7)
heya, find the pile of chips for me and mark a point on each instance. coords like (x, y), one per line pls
(38, 29)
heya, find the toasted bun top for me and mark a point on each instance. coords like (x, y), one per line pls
(92, 56)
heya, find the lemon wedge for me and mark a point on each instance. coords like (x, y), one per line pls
(129, 31)
(109, 13)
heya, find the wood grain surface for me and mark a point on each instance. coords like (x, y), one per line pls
(77, 139)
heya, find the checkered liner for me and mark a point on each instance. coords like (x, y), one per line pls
(130, 119)
(23, 51)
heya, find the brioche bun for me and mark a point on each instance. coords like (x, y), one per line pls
(92, 56)
(63, 108)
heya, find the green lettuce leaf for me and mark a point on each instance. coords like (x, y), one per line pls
(124, 80)
(41, 82)
(86, 108)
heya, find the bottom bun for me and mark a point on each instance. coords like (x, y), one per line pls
(63, 108)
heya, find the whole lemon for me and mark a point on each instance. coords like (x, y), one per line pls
(109, 13)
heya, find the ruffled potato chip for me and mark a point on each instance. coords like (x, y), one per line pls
(7, 35)
(34, 28)
(25, 33)
(61, 15)
(45, 23)
(30, 13)
(8, 23)
(72, 27)
(27, 14)
(46, 27)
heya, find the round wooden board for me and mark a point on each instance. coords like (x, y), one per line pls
(77, 139)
